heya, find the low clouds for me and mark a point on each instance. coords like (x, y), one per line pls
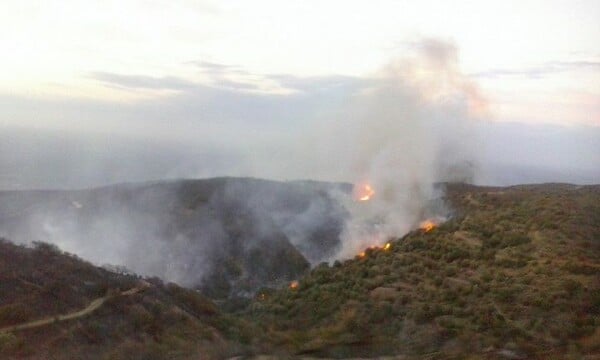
(133, 82)
(280, 126)
(315, 84)
(212, 66)
(229, 77)
(540, 71)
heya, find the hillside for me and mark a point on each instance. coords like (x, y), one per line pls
(55, 305)
(262, 232)
(514, 274)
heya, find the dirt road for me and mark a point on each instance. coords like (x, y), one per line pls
(94, 305)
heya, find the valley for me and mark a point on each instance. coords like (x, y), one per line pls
(512, 273)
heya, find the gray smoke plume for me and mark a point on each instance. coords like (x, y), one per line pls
(407, 131)
(415, 122)
(402, 130)
(226, 236)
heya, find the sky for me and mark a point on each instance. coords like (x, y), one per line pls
(105, 91)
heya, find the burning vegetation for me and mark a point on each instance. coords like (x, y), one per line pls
(458, 284)
(386, 247)
(294, 285)
(467, 282)
(363, 192)
(427, 225)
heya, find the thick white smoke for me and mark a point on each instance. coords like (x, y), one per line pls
(401, 130)
(406, 132)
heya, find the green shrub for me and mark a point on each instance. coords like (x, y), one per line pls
(505, 294)
(571, 286)
(8, 342)
(455, 254)
(581, 269)
(14, 314)
(514, 239)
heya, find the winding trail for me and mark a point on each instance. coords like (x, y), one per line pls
(94, 305)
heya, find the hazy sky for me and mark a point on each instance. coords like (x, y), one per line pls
(220, 75)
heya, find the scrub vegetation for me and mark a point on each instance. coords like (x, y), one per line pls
(514, 273)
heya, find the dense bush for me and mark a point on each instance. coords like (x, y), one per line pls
(14, 314)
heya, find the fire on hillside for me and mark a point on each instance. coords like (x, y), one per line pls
(386, 247)
(363, 192)
(428, 225)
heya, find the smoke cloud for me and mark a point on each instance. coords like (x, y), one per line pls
(227, 236)
(410, 129)
(414, 123)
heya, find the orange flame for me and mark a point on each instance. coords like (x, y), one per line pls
(427, 225)
(363, 192)
(294, 285)
(385, 247)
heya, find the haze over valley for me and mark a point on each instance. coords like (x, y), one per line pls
(238, 180)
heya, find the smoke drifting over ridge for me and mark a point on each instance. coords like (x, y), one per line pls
(227, 236)
(409, 125)
(402, 130)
